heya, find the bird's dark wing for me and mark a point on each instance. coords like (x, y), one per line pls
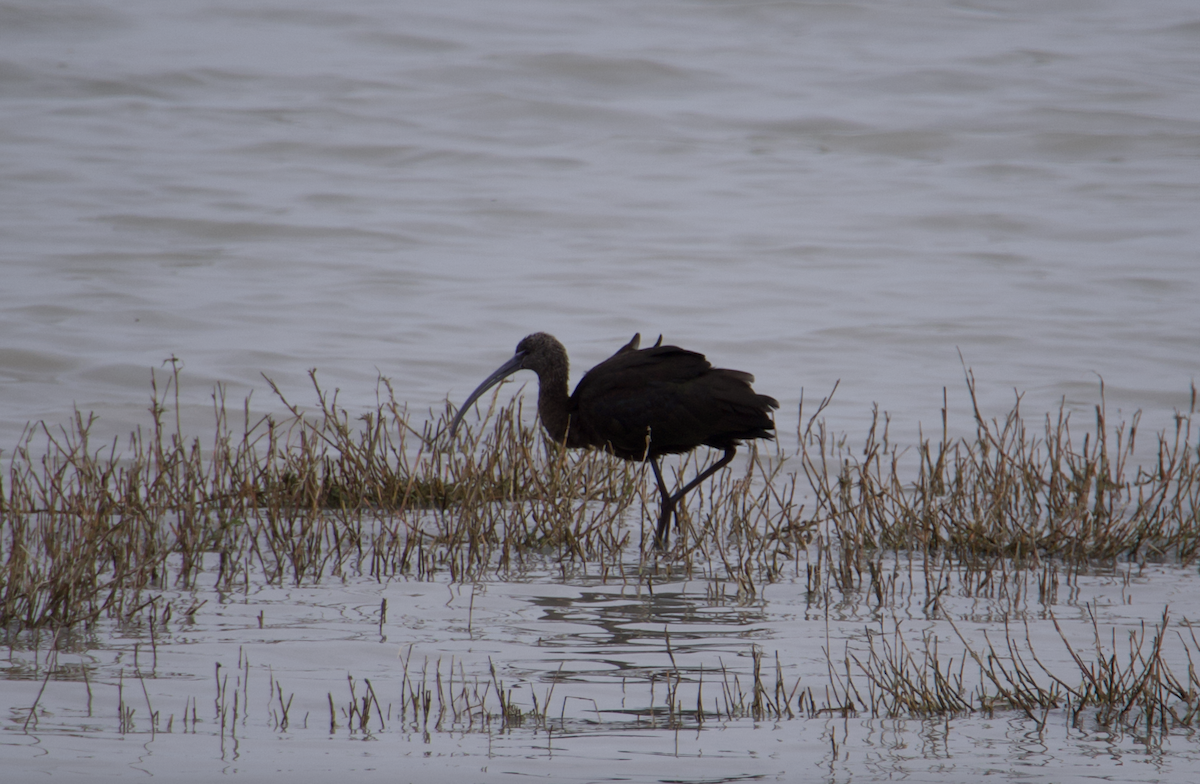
(672, 397)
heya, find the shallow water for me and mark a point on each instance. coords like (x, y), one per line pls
(811, 192)
(600, 655)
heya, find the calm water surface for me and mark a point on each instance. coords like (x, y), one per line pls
(809, 191)
(597, 653)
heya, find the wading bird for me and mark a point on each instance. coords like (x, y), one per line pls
(640, 404)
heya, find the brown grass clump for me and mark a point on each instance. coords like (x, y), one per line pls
(1012, 491)
(1109, 690)
(88, 529)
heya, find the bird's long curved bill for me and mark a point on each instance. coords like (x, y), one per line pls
(501, 373)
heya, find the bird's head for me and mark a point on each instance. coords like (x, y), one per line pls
(539, 352)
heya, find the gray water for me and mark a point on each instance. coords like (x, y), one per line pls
(812, 192)
(598, 654)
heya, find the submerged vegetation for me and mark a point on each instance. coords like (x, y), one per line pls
(89, 531)
(1129, 690)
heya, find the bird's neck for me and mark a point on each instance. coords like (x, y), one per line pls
(554, 405)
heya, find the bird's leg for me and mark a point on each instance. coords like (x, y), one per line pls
(668, 506)
(706, 473)
(669, 501)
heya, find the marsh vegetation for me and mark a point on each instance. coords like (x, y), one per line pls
(943, 555)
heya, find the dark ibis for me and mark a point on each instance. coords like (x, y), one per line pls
(641, 404)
